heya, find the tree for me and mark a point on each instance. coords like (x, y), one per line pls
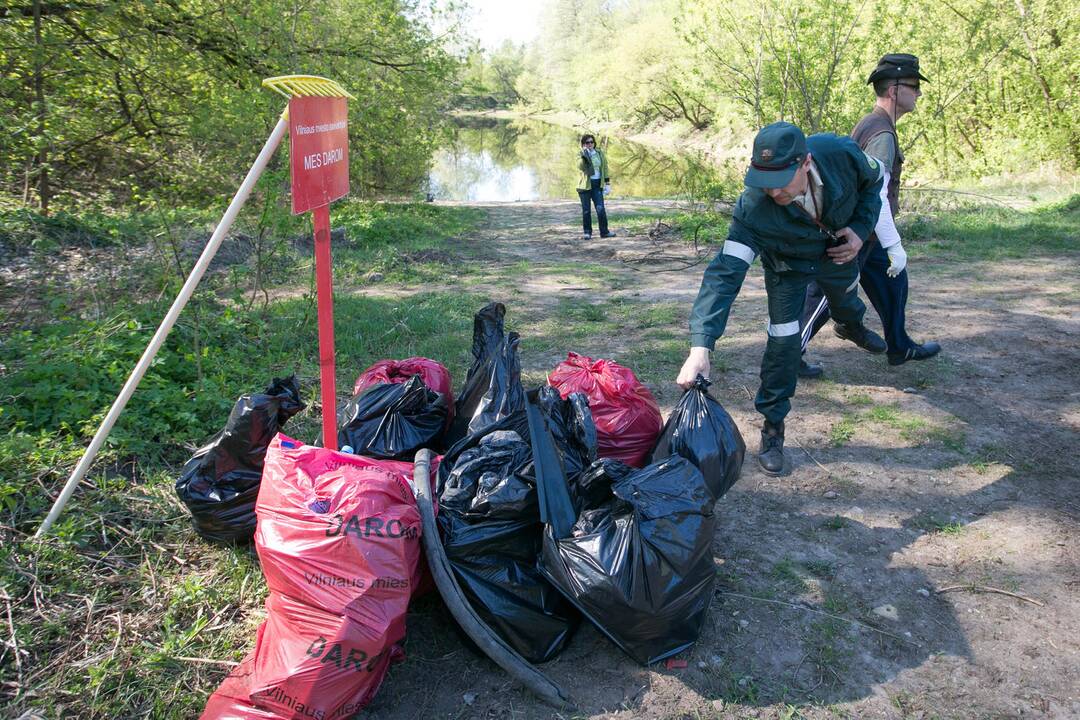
(106, 99)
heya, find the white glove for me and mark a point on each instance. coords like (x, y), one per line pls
(607, 188)
(897, 260)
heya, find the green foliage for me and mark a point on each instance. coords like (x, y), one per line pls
(107, 101)
(489, 79)
(1001, 97)
(60, 377)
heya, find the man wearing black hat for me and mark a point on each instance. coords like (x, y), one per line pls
(809, 205)
(884, 278)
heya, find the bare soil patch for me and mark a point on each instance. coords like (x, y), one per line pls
(960, 471)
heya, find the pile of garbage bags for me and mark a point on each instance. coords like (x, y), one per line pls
(566, 502)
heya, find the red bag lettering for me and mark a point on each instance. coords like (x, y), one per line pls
(626, 414)
(338, 537)
(434, 374)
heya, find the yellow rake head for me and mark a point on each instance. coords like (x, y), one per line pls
(290, 86)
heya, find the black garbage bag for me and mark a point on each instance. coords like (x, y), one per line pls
(492, 388)
(391, 421)
(220, 483)
(592, 488)
(490, 523)
(640, 566)
(700, 430)
(572, 428)
(563, 439)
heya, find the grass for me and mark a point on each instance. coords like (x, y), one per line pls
(824, 647)
(836, 522)
(931, 523)
(842, 431)
(913, 428)
(821, 568)
(993, 233)
(108, 610)
(786, 575)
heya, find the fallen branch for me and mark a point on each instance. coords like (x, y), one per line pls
(821, 612)
(812, 457)
(14, 644)
(988, 589)
(179, 560)
(205, 661)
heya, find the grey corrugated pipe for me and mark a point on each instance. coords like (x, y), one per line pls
(492, 645)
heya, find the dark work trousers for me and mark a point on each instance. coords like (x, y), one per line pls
(595, 195)
(787, 295)
(887, 295)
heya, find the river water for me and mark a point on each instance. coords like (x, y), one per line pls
(499, 160)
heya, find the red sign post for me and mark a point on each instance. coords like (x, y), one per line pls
(319, 155)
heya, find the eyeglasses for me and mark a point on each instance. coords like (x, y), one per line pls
(913, 86)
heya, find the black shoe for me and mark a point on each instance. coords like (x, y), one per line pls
(607, 234)
(771, 457)
(862, 336)
(915, 352)
(810, 371)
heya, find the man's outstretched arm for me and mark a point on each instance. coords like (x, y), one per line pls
(719, 287)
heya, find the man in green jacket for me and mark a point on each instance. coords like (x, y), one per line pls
(808, 207)
(593, 185)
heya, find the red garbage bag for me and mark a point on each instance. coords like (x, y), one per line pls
(626, 414)
(434, 374)
(338, 537)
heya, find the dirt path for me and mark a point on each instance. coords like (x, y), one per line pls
(859, 585)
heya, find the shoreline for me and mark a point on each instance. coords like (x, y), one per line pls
(1046, 183)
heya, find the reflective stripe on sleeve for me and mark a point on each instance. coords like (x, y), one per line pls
(743, 252)
(784, 329)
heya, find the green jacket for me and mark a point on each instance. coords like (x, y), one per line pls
(783, 235)
(587, 170)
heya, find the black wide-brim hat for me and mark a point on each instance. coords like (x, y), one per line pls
(895, 66)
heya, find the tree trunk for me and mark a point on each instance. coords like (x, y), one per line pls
(42, 160)
(1033, 58)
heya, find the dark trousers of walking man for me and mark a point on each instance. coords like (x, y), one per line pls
(887, 294)
(593, 196)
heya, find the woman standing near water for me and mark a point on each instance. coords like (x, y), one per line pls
(593, 185)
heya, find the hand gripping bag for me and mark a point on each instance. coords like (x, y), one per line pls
(434, 374)
(339, 542)
(393, 420)
(625, 413)
(640, 566)
(220, 483)
(700, 430)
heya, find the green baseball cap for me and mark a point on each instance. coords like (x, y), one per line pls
(779, 149)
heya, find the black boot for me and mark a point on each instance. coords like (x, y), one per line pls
(862, 336)
(771, 457)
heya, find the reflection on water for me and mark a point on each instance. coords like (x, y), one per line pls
(493, 160)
